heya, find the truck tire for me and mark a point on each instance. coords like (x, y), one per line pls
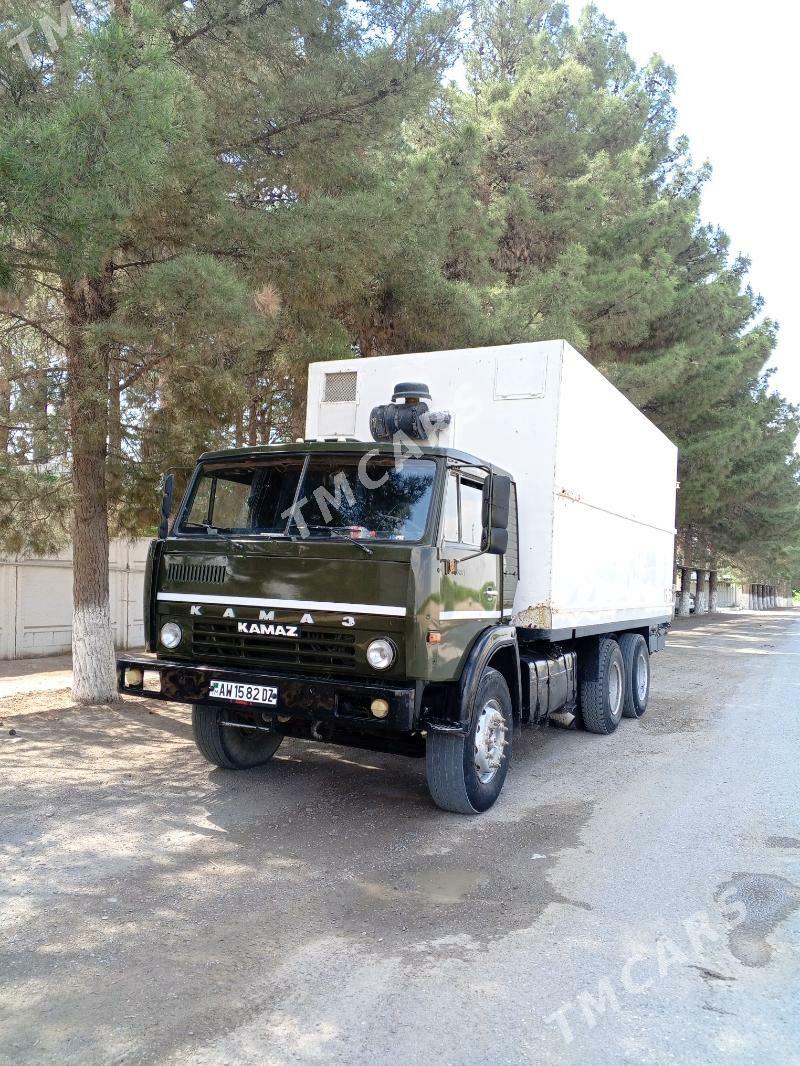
(603, 698)
(226, 746)
(466, 773)
(636, 656)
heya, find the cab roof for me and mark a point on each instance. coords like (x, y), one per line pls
(332, 447)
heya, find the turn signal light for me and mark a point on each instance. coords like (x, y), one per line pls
(434, 637)
(133, 676)
(379, 708)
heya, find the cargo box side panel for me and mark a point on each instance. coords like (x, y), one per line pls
(607, 568)
(614, 513)
(608, 454)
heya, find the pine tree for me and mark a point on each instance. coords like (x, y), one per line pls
(161, 171)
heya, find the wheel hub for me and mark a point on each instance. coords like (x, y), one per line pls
(490, 741)
(615, 689)
(642, 677)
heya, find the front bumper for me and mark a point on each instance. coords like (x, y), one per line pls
(345, 703)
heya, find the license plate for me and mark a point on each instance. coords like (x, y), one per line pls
(233, 690)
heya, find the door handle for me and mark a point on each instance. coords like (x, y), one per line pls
(491, 592)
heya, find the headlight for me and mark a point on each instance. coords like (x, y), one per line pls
(171, 634)
(381, 654)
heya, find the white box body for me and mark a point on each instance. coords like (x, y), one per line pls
(595, 478)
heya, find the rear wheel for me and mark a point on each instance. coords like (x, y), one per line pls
(466, 773)
(228, 746)
(636, 657)
(602, 698)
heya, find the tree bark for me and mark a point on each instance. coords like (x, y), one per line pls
(685, 601)
(701, 594)
(5, 416)
(94, 676)
(713, 605)
(114, 425)
(41, 431)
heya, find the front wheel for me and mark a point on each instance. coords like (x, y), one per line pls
(228, 746)
(466, 773)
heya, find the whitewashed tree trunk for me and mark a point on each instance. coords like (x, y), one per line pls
(685, 601)
(713, 595)
(701, 595)
(94, 673)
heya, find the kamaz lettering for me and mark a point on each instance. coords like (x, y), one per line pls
(271, 630)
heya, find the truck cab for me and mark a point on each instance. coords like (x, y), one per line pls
(331, 591)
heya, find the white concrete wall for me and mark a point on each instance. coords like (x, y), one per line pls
(36, 601)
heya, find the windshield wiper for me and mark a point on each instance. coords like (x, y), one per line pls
(343, 536)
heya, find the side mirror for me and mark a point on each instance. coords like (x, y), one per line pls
(166, 506)
(494, 514)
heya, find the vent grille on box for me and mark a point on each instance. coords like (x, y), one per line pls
(341, 387)
(205, 573)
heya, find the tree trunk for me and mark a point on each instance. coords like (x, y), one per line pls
(114, 471)
(713, 598)
(685, 601)
(94, 674)
(41, 430)
(701, 593)
(5, 416)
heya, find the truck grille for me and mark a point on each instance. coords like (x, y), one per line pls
(219, 641)
(207, 573)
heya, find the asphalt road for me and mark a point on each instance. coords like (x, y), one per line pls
(631, 899)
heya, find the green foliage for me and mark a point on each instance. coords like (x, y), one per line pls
(247, 187)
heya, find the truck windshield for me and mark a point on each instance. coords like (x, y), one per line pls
(330, 495)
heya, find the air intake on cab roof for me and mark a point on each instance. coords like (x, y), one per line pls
(412, 417)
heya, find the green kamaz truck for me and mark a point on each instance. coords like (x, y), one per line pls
(422, 575)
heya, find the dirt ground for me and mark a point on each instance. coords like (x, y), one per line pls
(320, 909)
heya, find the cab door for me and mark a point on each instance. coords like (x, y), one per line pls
(470, 589)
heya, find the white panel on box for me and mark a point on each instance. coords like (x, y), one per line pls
(520, 377)
(336, 420)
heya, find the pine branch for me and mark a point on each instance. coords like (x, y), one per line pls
(229, 21)
(34, 325)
